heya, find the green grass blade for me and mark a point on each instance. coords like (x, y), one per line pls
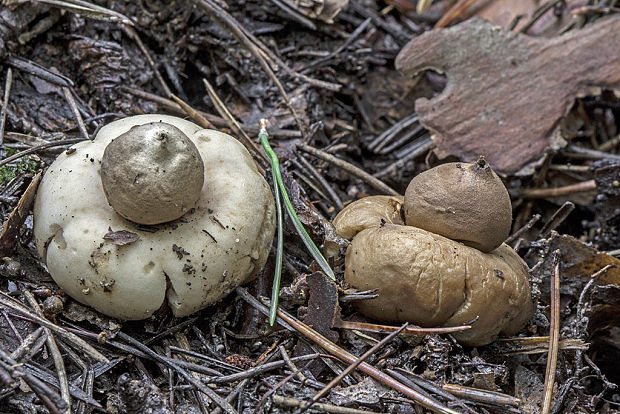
(277, 274)
(275, 167)
(305, 237)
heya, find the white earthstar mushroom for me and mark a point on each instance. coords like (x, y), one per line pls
(192, 262)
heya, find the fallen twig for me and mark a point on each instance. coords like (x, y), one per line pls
(346, 356)
(5, 103)
(82, 345)
(350, 168)
(59, 363)
(351, 367)
(581, 187)
(554, 334)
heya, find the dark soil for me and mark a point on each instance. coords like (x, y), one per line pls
(348, 101)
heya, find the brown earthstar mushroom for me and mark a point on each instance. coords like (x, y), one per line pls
(430, 280)
(152, 173)
(461, 201)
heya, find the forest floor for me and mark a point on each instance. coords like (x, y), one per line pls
(540, 98)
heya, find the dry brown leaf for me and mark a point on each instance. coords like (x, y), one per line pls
(120, 237)
(580, 261)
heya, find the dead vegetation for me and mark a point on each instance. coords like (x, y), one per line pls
(345, 124)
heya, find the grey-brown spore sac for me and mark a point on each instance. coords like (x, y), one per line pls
(461, 201)
(152, 173)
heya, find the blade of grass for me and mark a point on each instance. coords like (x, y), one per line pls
(280, 189)
(277, 274)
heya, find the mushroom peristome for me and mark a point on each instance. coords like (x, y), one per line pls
(222, 242)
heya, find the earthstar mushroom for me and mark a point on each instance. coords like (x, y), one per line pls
(221, 242)
(430, 280)
(152, 173)
(461, 201)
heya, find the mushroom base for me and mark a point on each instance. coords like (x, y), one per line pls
(429, 280)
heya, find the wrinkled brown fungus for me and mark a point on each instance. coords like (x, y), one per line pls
(425, 278)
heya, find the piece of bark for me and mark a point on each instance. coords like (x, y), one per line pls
(506, 91)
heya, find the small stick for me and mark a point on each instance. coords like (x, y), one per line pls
(327, 408)
(581, 309)
(214, 119)
(171, 330)
(234, 125)
(12, 326)
(295, 14)
(405, 139)
(580, 187)
(353, 36)
(537, 345)
(39, 148)
(191, 112)
(263, 368)
(32, 68)
(554, 334)
(335, 199)
(203, 357)
(412, 152)
(523, 229)
(76, 112)
(590, 153)
(86, 8)
(556, 219)
(571, 168)
(538, 14)
(409, 330)
(350, 168)
(300, 375)
(59, 363)
(351, 367)
(479, 395)
(170, 373)
(386, 136)
(26, 344)
(610, 144)
(34, 349)
(5, 103)
(454, 12)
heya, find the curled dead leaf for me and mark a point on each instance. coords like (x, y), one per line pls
(120, 237)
